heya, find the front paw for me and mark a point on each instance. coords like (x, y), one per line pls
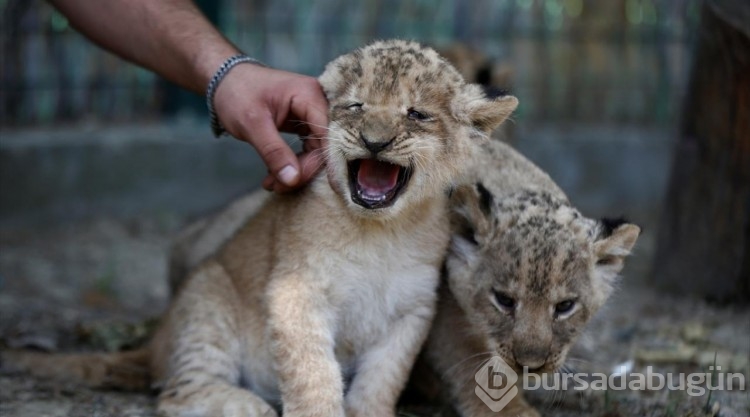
(371, 410)
(314, 411)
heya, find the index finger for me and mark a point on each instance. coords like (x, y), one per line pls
(312, 108)
(274, 151)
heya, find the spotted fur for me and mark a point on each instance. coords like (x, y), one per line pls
(371, 92)
(530, 253)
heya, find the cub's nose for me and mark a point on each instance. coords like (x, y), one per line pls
(374, 146)
(531, 358)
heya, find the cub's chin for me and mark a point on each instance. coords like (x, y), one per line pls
(547, 368)
(376, 184)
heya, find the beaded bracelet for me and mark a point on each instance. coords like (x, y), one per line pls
(216, 126)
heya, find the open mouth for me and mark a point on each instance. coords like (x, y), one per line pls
(376, 184)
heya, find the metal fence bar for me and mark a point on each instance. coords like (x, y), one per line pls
(620, 61)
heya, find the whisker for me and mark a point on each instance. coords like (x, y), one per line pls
(314, 152)
(474, 371)
(569, 359)
(553, 401)
(304, 123)
(449, 370)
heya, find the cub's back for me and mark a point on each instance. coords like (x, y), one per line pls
(503, 170)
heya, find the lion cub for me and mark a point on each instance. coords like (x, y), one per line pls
(524, 273)
(320, 302)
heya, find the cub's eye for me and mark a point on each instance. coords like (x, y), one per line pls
(564, 307)
(416, 115)
(355, 106)
(504, 301)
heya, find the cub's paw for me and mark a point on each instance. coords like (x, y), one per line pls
(250, 406)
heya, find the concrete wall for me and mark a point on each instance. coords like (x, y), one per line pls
(66, 174)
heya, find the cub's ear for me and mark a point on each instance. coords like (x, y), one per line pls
(483, 109)
(332, 78)
(471, 207)
(615, 239)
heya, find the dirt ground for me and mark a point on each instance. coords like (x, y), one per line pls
(95, 284)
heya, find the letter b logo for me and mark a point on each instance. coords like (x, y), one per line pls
(496, 384)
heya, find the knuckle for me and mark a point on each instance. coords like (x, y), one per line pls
(272, 151)
(313, 83)
(254, 117)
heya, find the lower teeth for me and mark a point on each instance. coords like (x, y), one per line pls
(372, 197)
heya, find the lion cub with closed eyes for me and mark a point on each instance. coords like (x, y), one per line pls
(319, 303)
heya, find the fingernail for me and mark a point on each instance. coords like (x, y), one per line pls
(288, 175)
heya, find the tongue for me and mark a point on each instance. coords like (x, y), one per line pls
(376, 178)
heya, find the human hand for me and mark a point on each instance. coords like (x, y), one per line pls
(254, 103)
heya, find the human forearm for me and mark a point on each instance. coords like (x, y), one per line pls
(175, 40)
(170, 37)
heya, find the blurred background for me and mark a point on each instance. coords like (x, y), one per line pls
(621, 62)
(604, 75)
(87, 135)
(102, 162)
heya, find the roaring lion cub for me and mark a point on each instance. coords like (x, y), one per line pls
(319, 304)
(524, 274)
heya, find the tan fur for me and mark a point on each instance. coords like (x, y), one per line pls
(201, 239)
(121, 370)
(515, 235)
(315, 295)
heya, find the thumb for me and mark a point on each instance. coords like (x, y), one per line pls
(277, 155)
